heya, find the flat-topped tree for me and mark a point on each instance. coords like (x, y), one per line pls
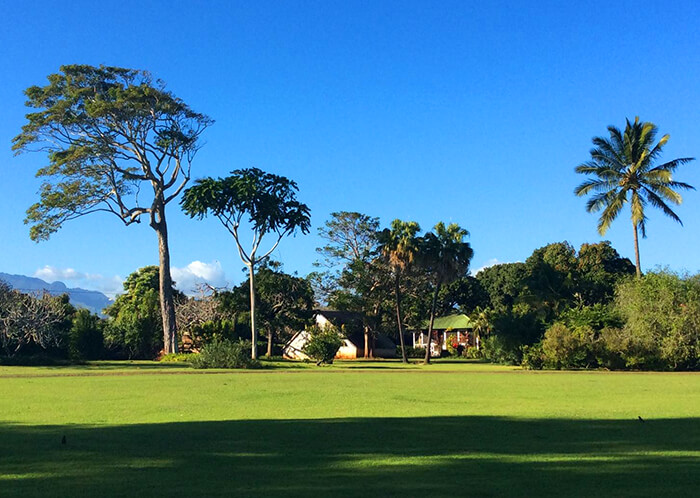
(266, 201)
(117, 142)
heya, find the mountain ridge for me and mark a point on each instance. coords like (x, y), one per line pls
(94, 301)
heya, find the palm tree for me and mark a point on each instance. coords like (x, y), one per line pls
(623, 166)
(399, 246)
(445, 257)
(481, 317)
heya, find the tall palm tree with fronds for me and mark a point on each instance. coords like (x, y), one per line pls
(445, 257)
(624, 171)
(399, 246)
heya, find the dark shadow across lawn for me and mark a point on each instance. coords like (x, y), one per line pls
(437, 456)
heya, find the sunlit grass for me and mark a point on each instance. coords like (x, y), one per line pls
(143, 428)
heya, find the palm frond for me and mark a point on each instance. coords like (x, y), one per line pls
(672, 165)
(637, 204)
(594, 185)
(658, 202)
(613, 206)
(598, 201)
(664, 191)
(656, 151)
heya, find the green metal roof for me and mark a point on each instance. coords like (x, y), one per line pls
(450, 322)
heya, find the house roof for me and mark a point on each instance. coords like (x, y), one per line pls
(354, 328)
(453, 322)
(381, 341)
(339, 318)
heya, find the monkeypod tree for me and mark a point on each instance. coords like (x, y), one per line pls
(117, 142)
(266, 201)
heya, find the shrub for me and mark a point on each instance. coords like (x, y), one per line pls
(499, 349)
(473, 353)
(34, 360)
(533, 357)
(134, 337)
(662, 328)
(411, 352)
(597, 317)
(565, 347)
(323, 344)
(176, 357)
(613, 344)
(210, 330)
(454, 350)
(221, 353)
(86, 341)
(511, 331)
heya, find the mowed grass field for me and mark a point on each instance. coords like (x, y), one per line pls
(353, 429)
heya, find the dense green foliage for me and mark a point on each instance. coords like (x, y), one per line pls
(135, 329)
(555, 284)
(323, 344)
(654, 324)
(284, 303)
(662, 321)
(86, 338)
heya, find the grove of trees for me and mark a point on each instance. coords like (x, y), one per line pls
(117, 141)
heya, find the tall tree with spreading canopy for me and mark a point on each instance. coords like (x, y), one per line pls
(624, 170)
(399, 245)
(269, 203)
(445, 257)
(111, 134)
(354, 274)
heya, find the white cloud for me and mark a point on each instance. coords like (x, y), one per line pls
(187, 278)
(110, 286)
(489, 263)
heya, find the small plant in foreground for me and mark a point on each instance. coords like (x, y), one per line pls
(323, 344)
(224, 354)
(177, 357)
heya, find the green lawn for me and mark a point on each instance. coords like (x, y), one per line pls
(353, 429)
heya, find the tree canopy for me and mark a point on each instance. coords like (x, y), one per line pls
(117, 142)
(267, 202)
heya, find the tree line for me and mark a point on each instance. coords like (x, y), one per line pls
(117, 141)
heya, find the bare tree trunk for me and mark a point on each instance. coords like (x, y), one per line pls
(253, 330)
(366, 355)
(397, 290)
(167, 304)
(270, 337)
(432, 321)
(636, 251)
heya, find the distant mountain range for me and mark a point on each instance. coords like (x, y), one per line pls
(80, 298)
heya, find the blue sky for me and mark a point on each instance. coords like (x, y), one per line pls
(474, 113)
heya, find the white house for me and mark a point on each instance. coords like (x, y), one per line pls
(352, 324)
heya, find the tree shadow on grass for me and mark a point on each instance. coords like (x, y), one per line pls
(436, 456)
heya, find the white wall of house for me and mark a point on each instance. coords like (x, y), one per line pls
(293, 349)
